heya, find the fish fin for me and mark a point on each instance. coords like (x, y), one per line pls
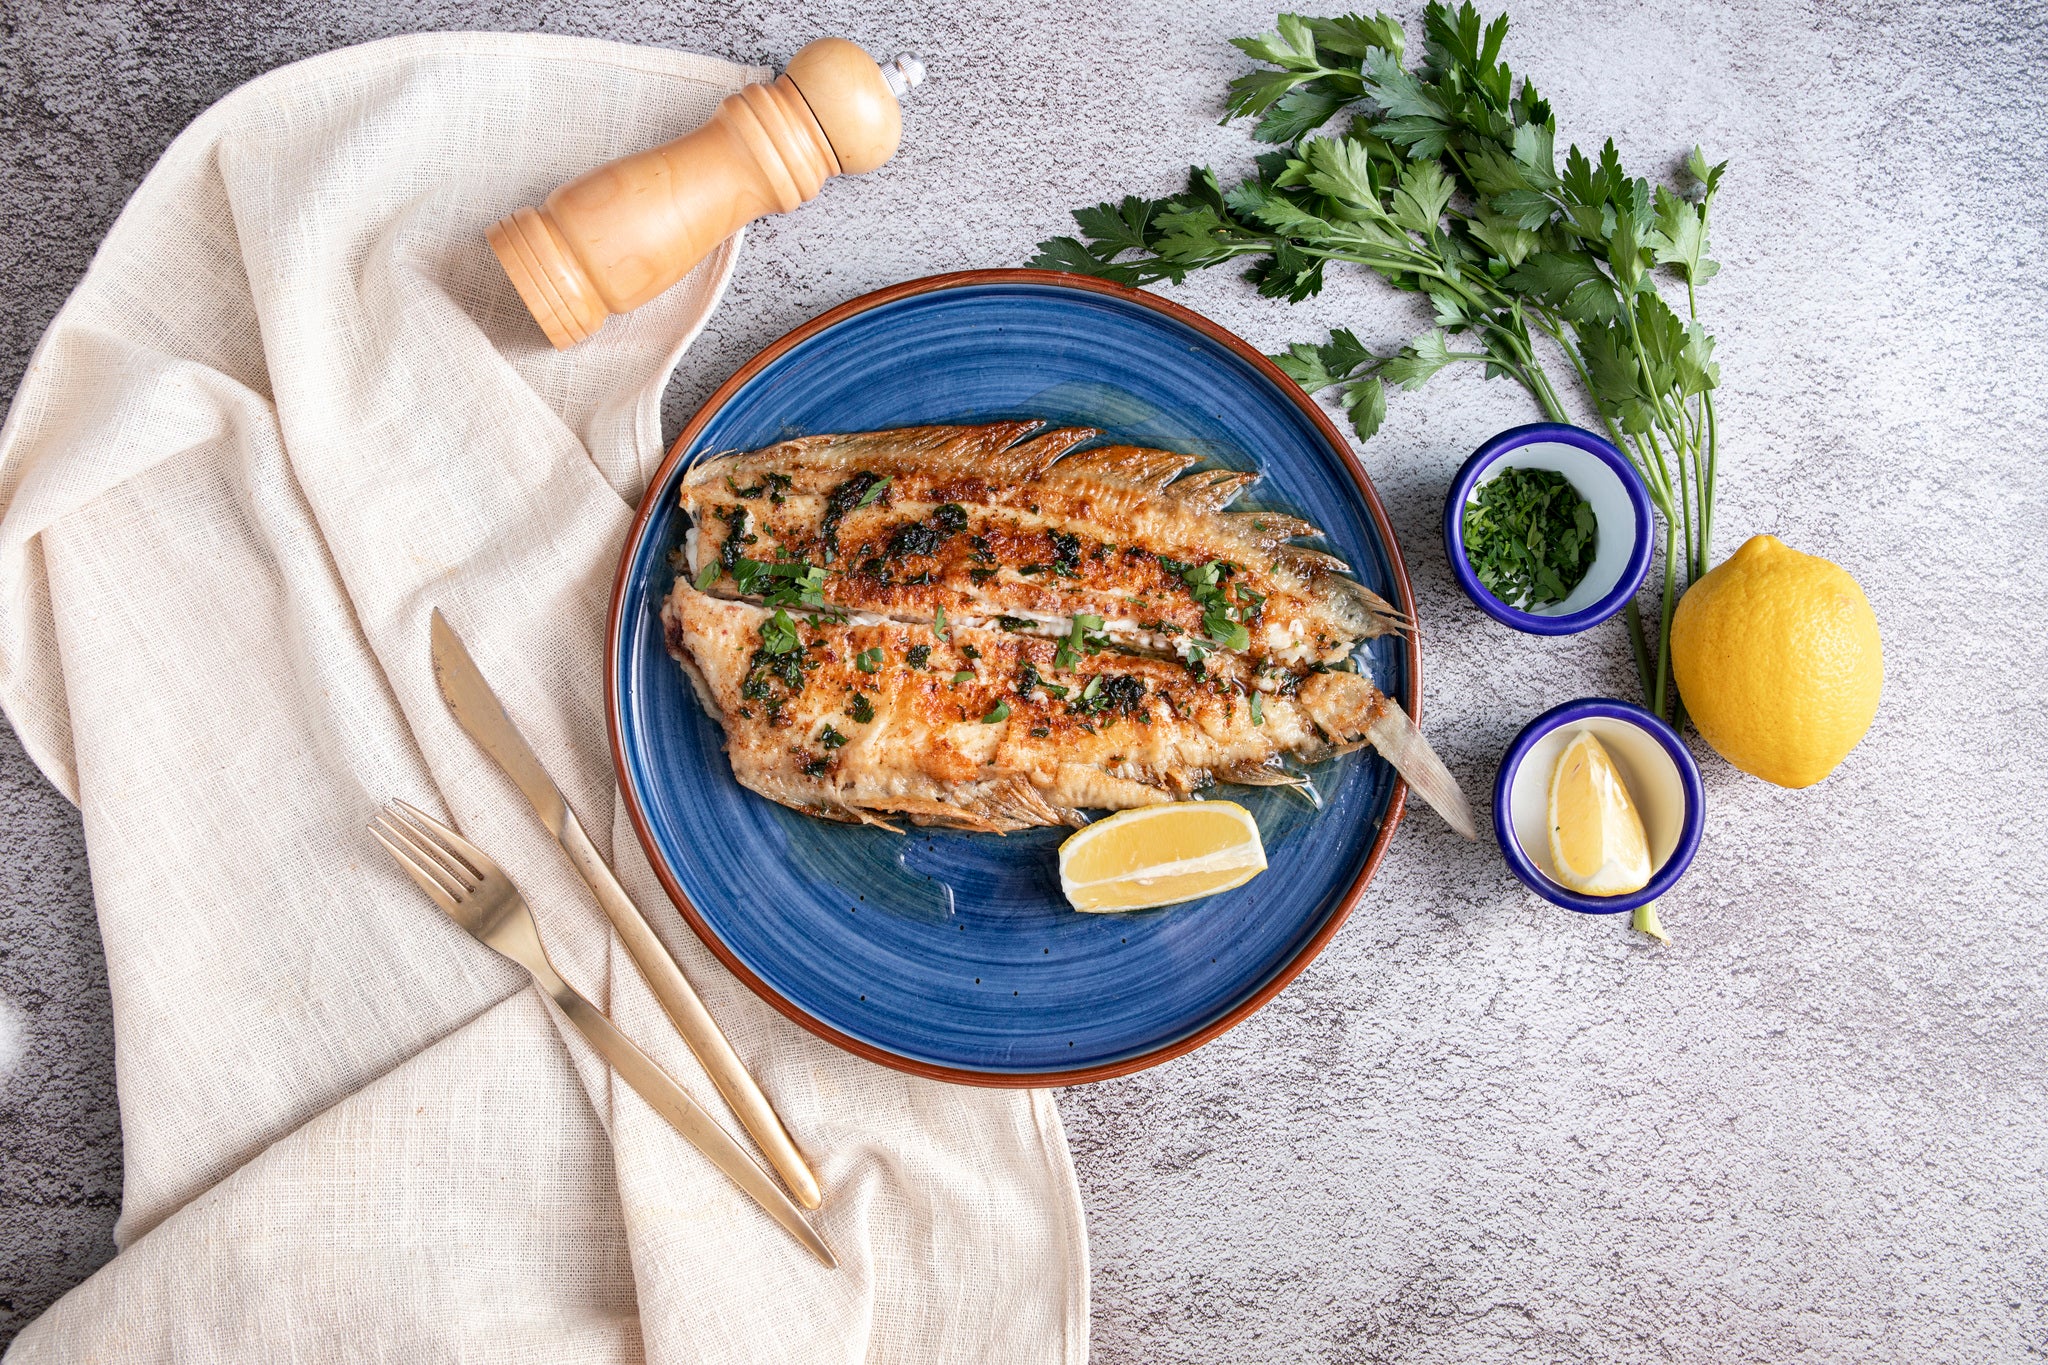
(1030, 459)
(1134, 467)
(1382, 617)
(1006, 806)
(1089, 787)
(870, 819)
(1268, 530)
(1399, 740)
(1270, 772)
(1209, 491)
(1304, 560)
(1004, 451)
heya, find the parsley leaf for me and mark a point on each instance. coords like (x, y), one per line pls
(778, 633)
(1081, 638)
(1001, 711)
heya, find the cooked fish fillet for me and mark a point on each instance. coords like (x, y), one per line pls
(993, 628)
(980, 521)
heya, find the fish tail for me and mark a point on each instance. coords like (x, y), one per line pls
(1399, 740)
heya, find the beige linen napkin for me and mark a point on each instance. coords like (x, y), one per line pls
(293, 407)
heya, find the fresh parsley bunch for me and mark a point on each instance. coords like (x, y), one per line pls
(1445, 182)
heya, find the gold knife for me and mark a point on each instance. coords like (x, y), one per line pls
(477, 707)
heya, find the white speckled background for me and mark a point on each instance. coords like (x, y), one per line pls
(1477, 1128)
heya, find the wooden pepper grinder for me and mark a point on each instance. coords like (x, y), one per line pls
(610, 240)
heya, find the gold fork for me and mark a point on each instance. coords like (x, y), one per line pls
(476, 894)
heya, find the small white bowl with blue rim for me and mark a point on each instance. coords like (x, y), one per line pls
(1661, 777)
(1604, 477)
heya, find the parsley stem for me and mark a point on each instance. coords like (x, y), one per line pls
(1707, 488)
(1633, 624)
(1685, 492)
(1664, 624)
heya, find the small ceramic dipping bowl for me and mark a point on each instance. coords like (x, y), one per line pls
(1661, 777)
(1603, 477)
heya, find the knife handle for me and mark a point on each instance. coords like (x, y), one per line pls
(691, 1019)
(684, 1114)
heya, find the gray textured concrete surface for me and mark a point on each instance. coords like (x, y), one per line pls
(1477, 1128)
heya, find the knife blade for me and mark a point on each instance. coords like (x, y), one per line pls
(477, 709)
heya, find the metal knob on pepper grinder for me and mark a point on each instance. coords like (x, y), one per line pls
(613, 238)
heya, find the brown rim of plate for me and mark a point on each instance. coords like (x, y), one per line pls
(1059, 280)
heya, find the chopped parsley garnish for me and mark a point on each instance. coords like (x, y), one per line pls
(778, 633)
(939, 623)
(861, 709)
(915, 538)
(795, 584)
(1115, 692)
(817, 767)
(1258, 708)
(1066, 554)
(1000, 712)
(981, 575)
(747, 574)
(857, 492)
(1039, 731)
(1221, 622)
(1530, 537)
(869, 660)
(735, 544)
(831, 738)
(964, 675)
(970, 651)
(778, 484)
(708, 575)
(950, 518)
(1080, 638)
(1014, 623)
(918, 656)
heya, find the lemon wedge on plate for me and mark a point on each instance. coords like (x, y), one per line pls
(1597, 844)
(1157, 855)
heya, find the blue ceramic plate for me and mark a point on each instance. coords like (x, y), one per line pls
(950, 954)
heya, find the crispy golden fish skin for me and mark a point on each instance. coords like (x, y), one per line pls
(1000, 627)
(983, 732)
(979, 521)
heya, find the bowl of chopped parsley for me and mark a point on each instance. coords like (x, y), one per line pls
(1547, 528)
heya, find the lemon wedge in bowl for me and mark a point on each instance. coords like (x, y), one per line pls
(1158, 855)
(1597, 844)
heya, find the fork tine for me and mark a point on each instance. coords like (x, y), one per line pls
(428, 881)
(451, 843)
(453, 875)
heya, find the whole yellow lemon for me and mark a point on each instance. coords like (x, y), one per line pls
(1778, 662)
